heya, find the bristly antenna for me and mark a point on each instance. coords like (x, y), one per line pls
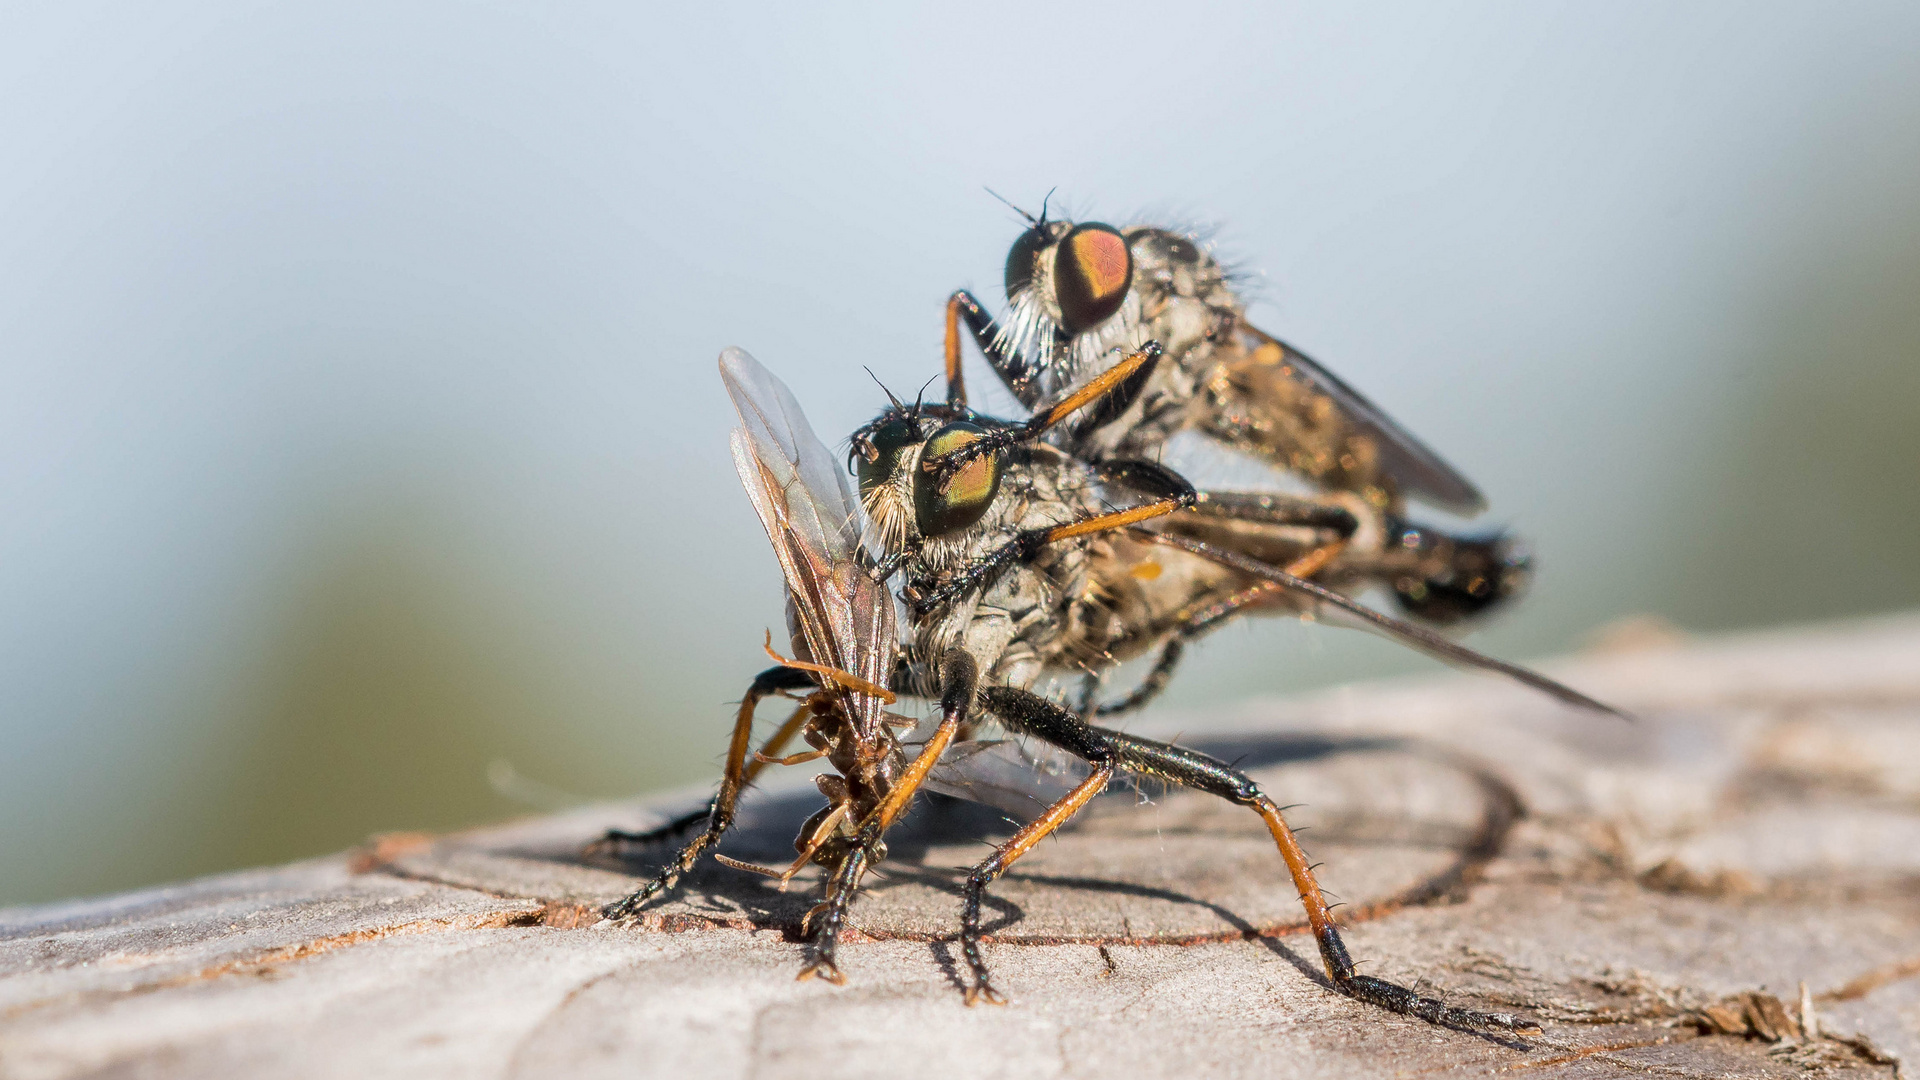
(881, 385)
(1036, 222)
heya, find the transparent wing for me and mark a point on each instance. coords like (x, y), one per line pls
(1021, 778)
(1418, 470)
(840, 617)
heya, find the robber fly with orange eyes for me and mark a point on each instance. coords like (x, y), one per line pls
(1083, 294)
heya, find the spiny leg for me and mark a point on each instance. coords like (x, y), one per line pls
(755, 765)
(959, 680)
(824, 923)
(1003, 856)
(1118, 379)
(1036, 716)
(1198, 623)
(1011, 367)
(1171, 490)
(739, 771)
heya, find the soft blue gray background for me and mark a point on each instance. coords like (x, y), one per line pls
(359, 424)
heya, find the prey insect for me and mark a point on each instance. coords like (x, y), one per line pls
(845, 636)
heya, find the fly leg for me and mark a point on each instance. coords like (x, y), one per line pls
(1172, 493)
(1124, 378)
(1102, 760)
(959, 681)
(1013, 369)
(1107, 750)
(1416, 636)
(755, 765)
(1198, 623)
(824, 923)
(733, 780)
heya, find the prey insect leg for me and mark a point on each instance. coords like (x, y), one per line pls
(738, 773)
(1107, 750)
(959, 680)
(829, 917)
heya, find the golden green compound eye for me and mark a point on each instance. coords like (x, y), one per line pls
(969, 492)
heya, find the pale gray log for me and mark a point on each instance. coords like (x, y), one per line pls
(1628, 884)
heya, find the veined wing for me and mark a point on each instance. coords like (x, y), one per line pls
(1418, 470)
(1021, 778)
(840, 617)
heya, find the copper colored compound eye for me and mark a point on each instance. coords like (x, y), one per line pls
(1092, 270)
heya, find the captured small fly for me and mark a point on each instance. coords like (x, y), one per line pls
(845, 639)
(1082, 294)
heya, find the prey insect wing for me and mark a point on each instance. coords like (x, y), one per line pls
(844, 619)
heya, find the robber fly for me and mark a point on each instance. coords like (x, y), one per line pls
(1084, 293)
(1000, 537)
(966, 524)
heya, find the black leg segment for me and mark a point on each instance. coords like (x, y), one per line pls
(1109, 750)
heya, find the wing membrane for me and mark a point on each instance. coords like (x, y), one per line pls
(1418, 470)
(838, 615)
(1020, 778)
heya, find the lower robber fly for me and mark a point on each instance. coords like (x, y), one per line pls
(991, 544)
(1009, 548)
(1082, 294)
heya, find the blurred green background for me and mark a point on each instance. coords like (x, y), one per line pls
(359, 426)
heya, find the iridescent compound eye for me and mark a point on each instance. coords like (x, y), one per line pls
(969, 491)
(1092, 270)
(887, 438)
(1025, 251)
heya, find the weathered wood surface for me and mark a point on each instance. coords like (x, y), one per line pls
(1656, 894)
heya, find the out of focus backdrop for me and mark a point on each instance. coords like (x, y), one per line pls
(363, 459)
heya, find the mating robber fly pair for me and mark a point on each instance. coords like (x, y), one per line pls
(1059, 547)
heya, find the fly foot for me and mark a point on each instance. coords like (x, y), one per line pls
(824, 970)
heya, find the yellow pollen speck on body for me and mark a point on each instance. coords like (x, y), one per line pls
(1145, 571)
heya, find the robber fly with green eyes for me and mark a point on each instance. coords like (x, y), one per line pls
(993, 530)
(1083, 294)
(1016, 553)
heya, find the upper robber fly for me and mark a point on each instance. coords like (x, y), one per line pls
(1081, 294)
